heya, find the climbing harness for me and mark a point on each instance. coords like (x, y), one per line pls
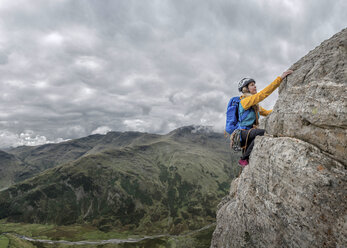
(235, 140)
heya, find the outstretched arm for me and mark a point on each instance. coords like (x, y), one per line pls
(261, 95)
(257, 98)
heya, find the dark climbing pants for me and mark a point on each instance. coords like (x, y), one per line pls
(250, 142)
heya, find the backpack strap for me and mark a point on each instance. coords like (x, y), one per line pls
(256, 111)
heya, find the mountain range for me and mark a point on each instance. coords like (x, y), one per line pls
(124, 181)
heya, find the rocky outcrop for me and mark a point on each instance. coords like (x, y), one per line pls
(294, 191)
(312, 105)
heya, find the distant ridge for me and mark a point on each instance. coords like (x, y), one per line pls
(124, 181)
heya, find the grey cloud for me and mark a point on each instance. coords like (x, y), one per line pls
(71, 68)
(3, 58)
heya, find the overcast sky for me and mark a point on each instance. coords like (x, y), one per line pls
(71, 68)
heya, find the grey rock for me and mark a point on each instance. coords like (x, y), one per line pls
(312, 104)
(294, 191)
(315, 113)
(301, 203)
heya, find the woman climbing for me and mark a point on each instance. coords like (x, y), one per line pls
(251, 99)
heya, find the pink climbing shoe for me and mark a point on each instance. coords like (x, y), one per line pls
(243, 162)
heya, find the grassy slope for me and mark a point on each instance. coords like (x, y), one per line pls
(54, 232)
(123, 184)
(84, 232)
(9, 165)
(28, 161)
(173, 181)
(18, 164)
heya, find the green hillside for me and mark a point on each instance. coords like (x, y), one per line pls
(28, 161)
(126, 182)
(11, 168)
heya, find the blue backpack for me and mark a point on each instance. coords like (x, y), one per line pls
(232, 115)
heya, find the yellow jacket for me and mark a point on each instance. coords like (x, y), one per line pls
(249, 101)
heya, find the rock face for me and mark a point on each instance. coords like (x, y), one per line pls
(294, 191)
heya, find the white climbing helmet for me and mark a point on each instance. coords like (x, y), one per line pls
(244, 82)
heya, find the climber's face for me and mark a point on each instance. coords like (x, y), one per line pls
(252, 88)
